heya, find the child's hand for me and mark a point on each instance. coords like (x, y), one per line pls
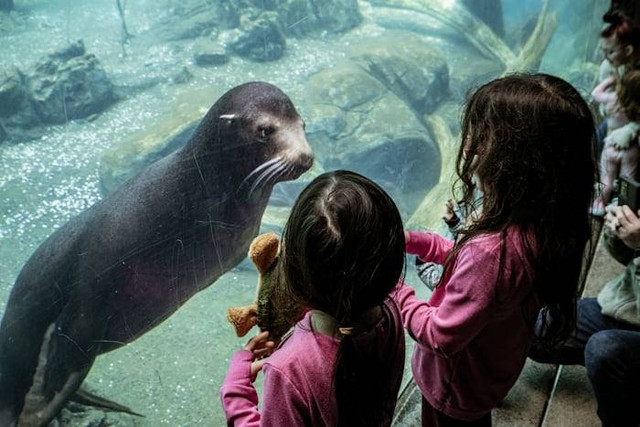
(450, 216)
(260, 346)
(623, 223)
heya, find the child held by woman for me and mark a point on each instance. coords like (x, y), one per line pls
(342, 254)
(620, 44)
(621, 151)
(527, 146)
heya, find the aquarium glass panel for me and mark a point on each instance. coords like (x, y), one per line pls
(128, 203)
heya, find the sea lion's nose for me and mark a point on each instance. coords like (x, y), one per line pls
(306, 160)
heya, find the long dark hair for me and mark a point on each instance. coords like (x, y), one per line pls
(531, 136)
(343, 252)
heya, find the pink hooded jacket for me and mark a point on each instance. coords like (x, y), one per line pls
(473, 335)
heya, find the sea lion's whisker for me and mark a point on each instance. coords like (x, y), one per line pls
(259, 168)
(280, 172)
(264, 174)
(261, 179)
(256, 183)
(275, 173)
(264, 165)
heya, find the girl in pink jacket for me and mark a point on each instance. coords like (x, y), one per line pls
(342, 253)
(528, 149)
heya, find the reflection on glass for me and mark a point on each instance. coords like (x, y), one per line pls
(94, 92)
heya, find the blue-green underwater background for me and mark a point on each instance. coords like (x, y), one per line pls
(84, 106)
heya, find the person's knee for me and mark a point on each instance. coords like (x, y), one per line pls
(603, 352)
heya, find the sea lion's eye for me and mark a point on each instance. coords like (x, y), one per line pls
(265, 131)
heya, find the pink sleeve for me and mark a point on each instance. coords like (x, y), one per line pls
(465, 308)
(429, 246)
(282, 403)
(600, 93)
(239, 397)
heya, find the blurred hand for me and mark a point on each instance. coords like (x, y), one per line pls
(623, 223)
(450, 216)
(260, 346)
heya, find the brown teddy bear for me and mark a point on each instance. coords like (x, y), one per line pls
(274, 310)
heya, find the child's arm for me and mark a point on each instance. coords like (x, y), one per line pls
(238, 395)
(429, 246)
(465, 309)
(600, 92)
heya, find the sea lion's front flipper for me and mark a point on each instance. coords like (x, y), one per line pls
(46, 398)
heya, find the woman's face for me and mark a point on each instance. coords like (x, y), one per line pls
(614, 52)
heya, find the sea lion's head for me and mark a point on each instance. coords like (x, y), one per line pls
(261, 133)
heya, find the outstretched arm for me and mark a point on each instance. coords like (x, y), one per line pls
(465, 305)
(428, 246)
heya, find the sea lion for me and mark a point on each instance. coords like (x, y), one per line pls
(127, 263)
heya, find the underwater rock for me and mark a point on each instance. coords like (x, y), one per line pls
(337, 15)
(259, 40)
(202, 24)
(297, 18)
(120, 163)
(408, 67)
(77, 415)
(489, 11)
(17, 114)
(302, 17)
(455, 16)
(357, 123)
(70, 84)
(212, 57)
(183, 76)
(14, 96)
(191, 19)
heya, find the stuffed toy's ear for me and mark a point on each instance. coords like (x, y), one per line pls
(243, 318)
(263, 251)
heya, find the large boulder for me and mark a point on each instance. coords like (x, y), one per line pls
(70, 84)
(337, 15)
(408, 67)
(259, 39)
(303, 17)
(16, 109)
(127, 158)
(357, 123)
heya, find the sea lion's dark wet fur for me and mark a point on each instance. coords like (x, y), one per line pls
(127, 263)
